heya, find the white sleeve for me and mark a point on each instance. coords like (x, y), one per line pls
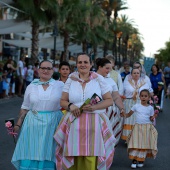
(67, 85)
(114, 86)
(149, 83)
(103, 85)
(133, 108)
(120, 85)
(26, 102)
(152, 111)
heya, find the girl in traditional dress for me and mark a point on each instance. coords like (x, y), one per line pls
(114, 111)
(142, 142)
(84, 137)
(131, 91)
(39, 117)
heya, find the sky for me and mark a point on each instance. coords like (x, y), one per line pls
(152, 18)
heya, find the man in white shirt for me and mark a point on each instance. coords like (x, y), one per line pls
(20, 73)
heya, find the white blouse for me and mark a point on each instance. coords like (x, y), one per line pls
(112, 84)
(129, 89)
(36, 98)
(143, 113)
(78, 95)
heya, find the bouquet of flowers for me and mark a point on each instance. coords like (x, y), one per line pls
(9, 124)
(93, 100)
(153, 102)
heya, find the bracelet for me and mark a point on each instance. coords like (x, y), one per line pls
(18, 126)
(69, 105)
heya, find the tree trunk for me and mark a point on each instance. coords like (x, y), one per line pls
(95, 52)
(84, 46)
(105, 49)
(66, 44)
(35, 42)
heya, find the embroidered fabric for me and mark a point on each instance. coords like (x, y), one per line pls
(75, 76)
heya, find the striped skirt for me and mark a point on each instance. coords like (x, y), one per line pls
(88, 135)
(142, 142)
(130, 121)
(35, 147)
(116, 121)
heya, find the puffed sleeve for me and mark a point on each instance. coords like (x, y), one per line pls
(114, 86)
(26, 102)
(120, 84)
(67, 85)
(149, 83)
(103, 85)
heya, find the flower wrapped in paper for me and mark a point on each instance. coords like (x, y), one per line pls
(93, 100)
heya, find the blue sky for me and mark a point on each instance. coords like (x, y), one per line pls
(152, 18)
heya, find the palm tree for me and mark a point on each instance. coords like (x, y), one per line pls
(72, 13)
(40, 12)
(163, 55)
(113, 6)
(127, 27)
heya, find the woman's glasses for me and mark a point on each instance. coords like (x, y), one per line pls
(46, 68)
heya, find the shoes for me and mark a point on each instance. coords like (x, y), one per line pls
(140, 164)
(134, 164)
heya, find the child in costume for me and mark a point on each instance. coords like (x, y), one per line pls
(142, 142)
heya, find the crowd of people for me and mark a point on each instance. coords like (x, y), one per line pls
(62, 125)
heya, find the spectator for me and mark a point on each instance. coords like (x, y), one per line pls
(36, 75)
(20, 73)
(29, 75)
(167, 74)
(125, 72)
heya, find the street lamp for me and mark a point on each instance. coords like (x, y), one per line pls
(54, 34)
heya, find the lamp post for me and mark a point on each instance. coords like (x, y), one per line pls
(55, 33)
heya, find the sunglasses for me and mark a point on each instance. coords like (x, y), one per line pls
(46, 68)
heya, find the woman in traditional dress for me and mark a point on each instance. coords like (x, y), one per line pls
(84, 136)
(39, 117)
(143, 75)
(114, 111)
(131, 91)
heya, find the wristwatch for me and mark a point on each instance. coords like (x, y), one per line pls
(69, 105)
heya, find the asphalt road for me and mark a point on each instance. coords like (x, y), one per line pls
(9, 108)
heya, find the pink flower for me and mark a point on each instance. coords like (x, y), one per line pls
(158, 107)
(155, 97)
(150, 101)
(8, 124)
(97, 99)
(156, 111)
